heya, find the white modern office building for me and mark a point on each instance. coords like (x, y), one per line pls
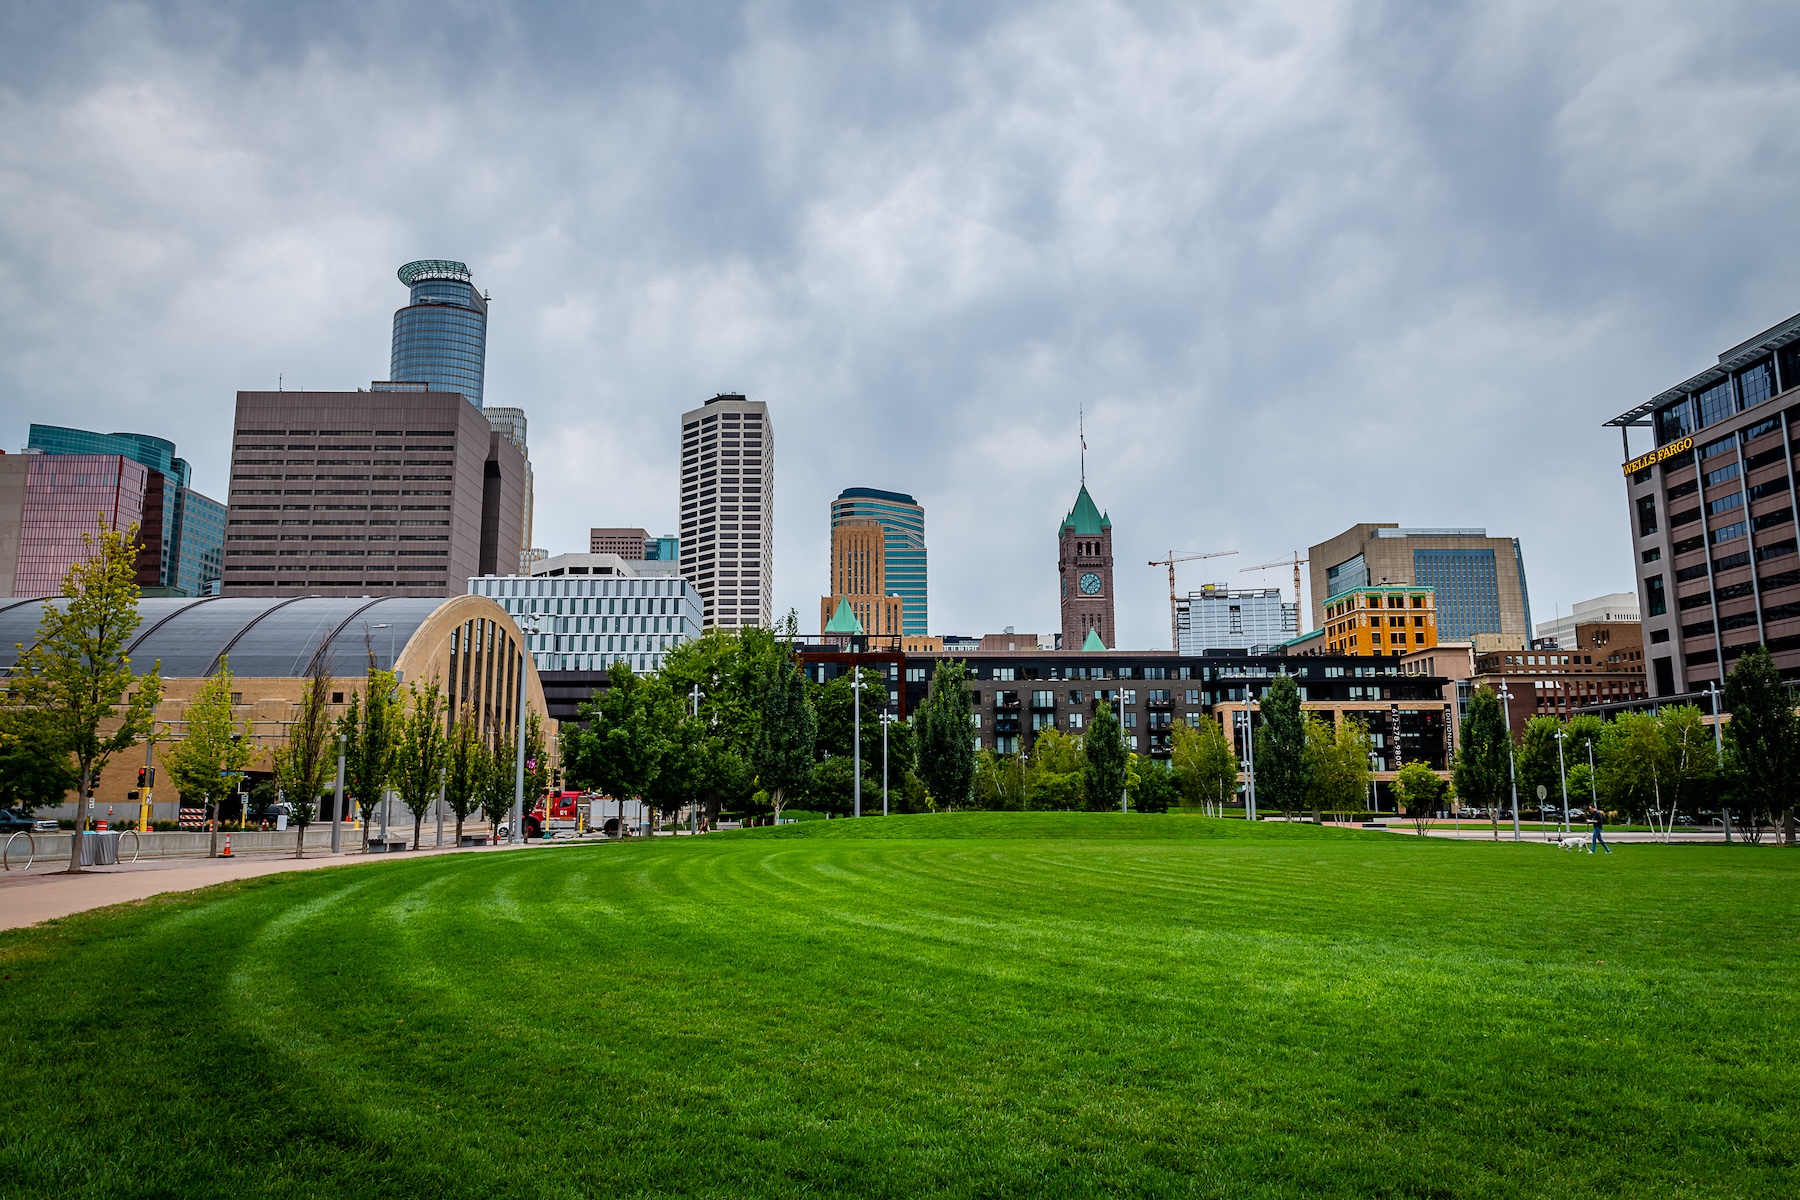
(1607, 610)
(1223, 618)
(728, 509)
(589, 622)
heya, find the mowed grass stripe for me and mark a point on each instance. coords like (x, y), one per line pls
(1046, 1005)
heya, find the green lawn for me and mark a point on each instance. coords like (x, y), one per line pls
(980, 1005)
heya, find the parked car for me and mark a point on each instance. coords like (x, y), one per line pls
(13, 822)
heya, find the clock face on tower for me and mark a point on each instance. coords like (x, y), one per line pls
(1090, 584)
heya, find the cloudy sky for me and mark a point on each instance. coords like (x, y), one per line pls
(1303, 264)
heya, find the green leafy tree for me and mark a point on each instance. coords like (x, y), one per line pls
(1281, 748)
(788, 732)
(727, 667)
(1690, 761)
(301, 764)
(465, 767)
(1633, 763)
(1583, 789)
(1481, 771)
(1765, 742)
(618, 747)
(210, 757)
(1106, 768)
(77, 678)
(1206, 764)
(947, 738)
(497, 781)
(1000, 782)
(370, 727)
(1055, 773)
(538, 770)
(1156, 790)
(34, 760)
(1337, 766)
(1537, 760)
(1422, 791)
(419, 761)
(830, 788)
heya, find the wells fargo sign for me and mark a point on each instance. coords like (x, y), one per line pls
(1657, 455)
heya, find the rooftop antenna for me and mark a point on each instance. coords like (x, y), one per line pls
(1081, 425)
(278, 386)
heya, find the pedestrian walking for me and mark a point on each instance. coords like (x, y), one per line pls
(1597, 819)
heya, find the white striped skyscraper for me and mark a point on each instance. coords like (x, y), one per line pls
(727, 509)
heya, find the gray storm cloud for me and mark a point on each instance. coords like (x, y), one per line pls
(1302, 264)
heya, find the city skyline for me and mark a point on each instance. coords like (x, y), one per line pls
(931, 258)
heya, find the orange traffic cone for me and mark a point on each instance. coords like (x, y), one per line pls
(226, 852)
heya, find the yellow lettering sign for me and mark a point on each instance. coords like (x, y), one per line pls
(1659, 454)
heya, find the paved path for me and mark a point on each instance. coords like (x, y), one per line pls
(28, 898)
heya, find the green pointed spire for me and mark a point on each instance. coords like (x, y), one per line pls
(843, 620)
(1092, 641)
(1086, 518)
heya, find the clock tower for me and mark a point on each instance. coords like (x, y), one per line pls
(1084, 568)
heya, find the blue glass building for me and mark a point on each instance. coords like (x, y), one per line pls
(189, 527)
(902, 522)
(440, 337)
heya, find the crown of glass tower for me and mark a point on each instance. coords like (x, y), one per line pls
(440, 337)
(902, 520)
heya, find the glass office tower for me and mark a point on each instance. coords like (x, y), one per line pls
(440, 337)
(902, 521)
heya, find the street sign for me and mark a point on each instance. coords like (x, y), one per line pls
(1542, 792)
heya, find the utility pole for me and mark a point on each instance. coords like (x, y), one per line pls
(694, 806)
(1169, 562)
(1564, 772)
(527, 626)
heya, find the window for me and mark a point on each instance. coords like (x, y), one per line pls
(915, 674)
(1655, 596)
(1715, 403)
(1725, 533)
(1004, 674)
(1674, 422)
(1646, 507)
(975, 720)
(1714, 478)
(1043, 699)
(1130, 696)
(1725, 504)
(1075, 696)
(1755, 384)
(1654, 554)
(1076, 720)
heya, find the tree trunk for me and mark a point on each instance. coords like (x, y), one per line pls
(418, 821)
(1787, 825)
(212, 825)
(300, 844)
(365, 825)
(459, 821)
(80, 821)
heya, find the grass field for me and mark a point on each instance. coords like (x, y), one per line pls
(980, 1005)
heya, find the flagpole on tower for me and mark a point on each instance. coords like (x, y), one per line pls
(1081, 424)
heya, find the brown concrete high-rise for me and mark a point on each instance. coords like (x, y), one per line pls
(395, 492)
(858, 575)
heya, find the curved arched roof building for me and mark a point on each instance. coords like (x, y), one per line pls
(468, 644)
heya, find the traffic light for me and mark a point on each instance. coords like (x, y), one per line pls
(143, 778)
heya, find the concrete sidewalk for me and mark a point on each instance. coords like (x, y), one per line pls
(27, 899)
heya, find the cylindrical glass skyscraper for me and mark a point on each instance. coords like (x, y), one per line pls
(440, 337)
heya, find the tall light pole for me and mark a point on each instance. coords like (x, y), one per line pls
(887, 718)
(1249, 758)
(337, 803)
(1712, 687)
(1563, 771)
(694, 806)
(528, 625)
(856, 733)
(1512, 762)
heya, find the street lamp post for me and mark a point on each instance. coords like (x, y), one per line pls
(1563, 771)
(1249, 758)
(337, 803)
(1512, 762)
(1712, 687)
(887, 718)
(528, 625)
(694, 806)
(856, 733)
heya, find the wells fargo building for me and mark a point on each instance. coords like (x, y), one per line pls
(1712, 514)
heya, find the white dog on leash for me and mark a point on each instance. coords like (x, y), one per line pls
(1571, 841)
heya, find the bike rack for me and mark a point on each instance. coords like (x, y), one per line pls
(30, 846)
(137, 845)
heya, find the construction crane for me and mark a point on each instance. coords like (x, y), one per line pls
(1169, 562)
(1294, 560)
